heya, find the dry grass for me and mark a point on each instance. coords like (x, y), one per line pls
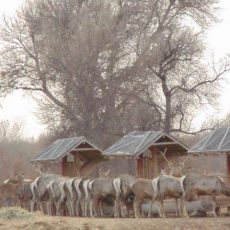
(20, 219)
(15, 213)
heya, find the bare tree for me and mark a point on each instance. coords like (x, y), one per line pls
(11, 131)
(87, 57)
(181, 79)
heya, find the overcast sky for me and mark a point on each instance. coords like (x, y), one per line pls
(17, 106)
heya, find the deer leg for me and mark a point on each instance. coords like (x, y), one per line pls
(135, 205)
(82, 206)
(213, 197)
(58, 208)
(85, 207)
(41, 207)
(69, 208)
(69, 205)
(100, 206)
(32, 204)
(77, 207)
(184, 204)
(116, 207)
(72, 208)
(95, 206)
(162, 208)
(91, 208)
(140, 213)
(123, 209)
(177, 209)
(180, 207)
(151, 208)
(49, 208)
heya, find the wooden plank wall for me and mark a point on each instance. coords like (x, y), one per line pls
(148, 167)
(70, 169)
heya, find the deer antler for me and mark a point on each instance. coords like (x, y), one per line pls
(41, 168)
(170, 164)
(100, 172)
(107, 173)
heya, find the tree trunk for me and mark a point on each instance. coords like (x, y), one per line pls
(167, 94)
(167, 124)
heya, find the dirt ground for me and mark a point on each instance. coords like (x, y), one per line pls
(66, 223)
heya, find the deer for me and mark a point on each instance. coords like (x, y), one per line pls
(25, 194)
(57, 194)
(199, 185)
(102, 188)
(124, 192)
(79, 195)
(143, 190)
(169, 186)
(68, 194)
(40, 193)
(11, 192)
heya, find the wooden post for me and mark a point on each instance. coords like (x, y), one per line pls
(77, 165)
(64, 166)
(155, 161)
(228, 166)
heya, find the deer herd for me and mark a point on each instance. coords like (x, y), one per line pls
(58, 195)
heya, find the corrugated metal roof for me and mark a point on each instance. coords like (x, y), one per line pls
(60, 148)
(216, 141)
(136, 142)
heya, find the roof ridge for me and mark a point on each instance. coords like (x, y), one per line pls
(70, 138)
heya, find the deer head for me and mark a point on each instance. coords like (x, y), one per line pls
(104, 174)
(41, 168)
(175, 168)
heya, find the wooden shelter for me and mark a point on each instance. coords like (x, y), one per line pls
(144, 147)
(216, 143)
(73, 156)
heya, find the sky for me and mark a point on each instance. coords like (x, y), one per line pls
(19, 107)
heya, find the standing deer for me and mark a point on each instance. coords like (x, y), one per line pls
(57, 195)
(143, 190)
(199, 185)
(167, 186)
(40, 192)
(126, 192)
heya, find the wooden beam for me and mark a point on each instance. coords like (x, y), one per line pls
(85, 149)
(165, 143)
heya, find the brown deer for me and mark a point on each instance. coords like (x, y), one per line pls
(143, 190)
(10, 193)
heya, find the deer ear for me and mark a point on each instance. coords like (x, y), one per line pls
(162, 172)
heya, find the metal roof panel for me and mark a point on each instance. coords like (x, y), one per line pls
(216, 141)
(136, 142)
(60, 148)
